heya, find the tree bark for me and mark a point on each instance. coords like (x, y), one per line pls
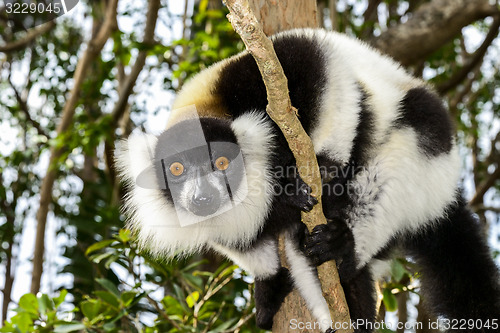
(283, 114)
(126, 88)
(28, 38)
(9, 211)
(430, 26)
(275, 16)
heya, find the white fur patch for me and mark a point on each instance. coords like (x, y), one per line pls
(400, 191)
(156, 221)
(350, 63)
(262, 261)
(306, 281)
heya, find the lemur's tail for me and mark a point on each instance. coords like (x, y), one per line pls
(460, 280)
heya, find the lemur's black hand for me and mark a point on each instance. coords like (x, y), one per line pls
(329, 241)
(295, 192)
(303, 198)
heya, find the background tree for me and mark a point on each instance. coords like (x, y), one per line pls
(70, 89)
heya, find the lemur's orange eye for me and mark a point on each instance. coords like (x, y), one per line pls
(222, 163)
(176, 168)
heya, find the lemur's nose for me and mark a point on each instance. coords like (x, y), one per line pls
(202, 199)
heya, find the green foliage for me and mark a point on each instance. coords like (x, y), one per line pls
(211, 39)
(41, 314)
(403, 273)
(183, 299)
(192, 300)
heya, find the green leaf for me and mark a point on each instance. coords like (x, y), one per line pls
(97, 258)
(124, 235)
(193, 280)
(192, 298)
(99, 245)
(29, 303)
(193, 265)
(108, 298)
(109, 326)
(90, 309)
(397, 270)
(108, 285)
(112, 259)
(127, 297)
(23, 322)
(59, 299)
(125, 58)
(225, 325)
(390, 302)
(173, 306)
(8, 328)
(179, 293)
(69, 327)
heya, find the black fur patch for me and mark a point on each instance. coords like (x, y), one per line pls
(424, 111)
(217, 130)
(459, 278)
(364, 131)
(269, 294)
(360, 296)
(240, 86)
(240, 89)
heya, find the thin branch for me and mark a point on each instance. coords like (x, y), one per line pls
(126, 86)
(9, 279)
(460, 95)
(282, 112)
(8, 210)
(494, 155)
(484, 186)
(321, 11)
(129, 82)
(482, 208)
(94, 48)
(370, 17)
(332, 6)
(431, 25)
(184, 22)
(475, 149)
(23, 106)
(371, 11)
(162, 313)
(240, 323)
(28, 38)
(475, 60)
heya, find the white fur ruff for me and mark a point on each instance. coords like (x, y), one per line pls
(156, 221)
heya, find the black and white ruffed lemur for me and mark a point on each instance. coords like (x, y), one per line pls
(214, 182)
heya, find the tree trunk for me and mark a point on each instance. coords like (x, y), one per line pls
(275, 16)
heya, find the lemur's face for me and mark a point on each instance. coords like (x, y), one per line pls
(200, 182)
(199, 172)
